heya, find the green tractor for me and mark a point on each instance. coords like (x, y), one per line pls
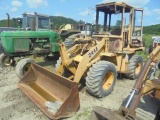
(35, 38)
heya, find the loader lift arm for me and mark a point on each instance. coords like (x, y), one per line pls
(82, 59)
(141, 87)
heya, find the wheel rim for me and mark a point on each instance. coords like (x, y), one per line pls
(108, 80)
(138, 68)
(26, 68)
(7, 61)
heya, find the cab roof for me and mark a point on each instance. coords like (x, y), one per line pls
(111, 7)
(34, 14)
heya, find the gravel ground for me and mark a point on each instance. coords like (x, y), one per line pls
(14, 105)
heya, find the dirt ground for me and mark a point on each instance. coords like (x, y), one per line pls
(14, 105)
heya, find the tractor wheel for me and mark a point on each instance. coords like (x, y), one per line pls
(134, 67)
(6, 60)
(101, 78)
(69, 42)
(65, 73)
(23, 66)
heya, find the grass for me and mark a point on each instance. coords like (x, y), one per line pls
(148, 41)
(85, 114)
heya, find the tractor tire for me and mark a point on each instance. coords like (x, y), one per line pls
(6, 60)
(101, 78)
(23, 66)
(134, 67)
(69, 42)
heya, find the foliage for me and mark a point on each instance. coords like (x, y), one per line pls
(59, 20)
(3, 23)
(119, 23)
(153, 29)
(147, 38)
(56, 21)
(148, 41)
(84, 114)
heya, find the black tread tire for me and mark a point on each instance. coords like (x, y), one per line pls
(69, 42)
(20, 66)
(95, 77)
(135, 59)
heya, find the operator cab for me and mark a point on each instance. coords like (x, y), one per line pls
(120, 19)
(42, 22)
(87, 29)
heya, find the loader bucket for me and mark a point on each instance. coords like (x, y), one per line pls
(99, 113)
(55, 95)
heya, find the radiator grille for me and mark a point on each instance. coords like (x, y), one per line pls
(21, 45)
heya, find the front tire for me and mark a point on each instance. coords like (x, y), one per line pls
(69, 42)
(101, 78)
(134, 67)
(23, 66)
(6, 60)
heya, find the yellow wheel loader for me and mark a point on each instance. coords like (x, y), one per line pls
(96, 59)
(112, 50)
(142, 86)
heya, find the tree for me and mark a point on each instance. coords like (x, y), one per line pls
(119, 23)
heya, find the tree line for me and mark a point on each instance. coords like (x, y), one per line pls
(152, 29)
(57, 21)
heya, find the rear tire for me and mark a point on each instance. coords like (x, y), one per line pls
(101, 78)
(69, 42)
(23, 66)
(134, 67)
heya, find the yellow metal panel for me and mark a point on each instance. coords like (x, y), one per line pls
(78, 58)
(107, 54)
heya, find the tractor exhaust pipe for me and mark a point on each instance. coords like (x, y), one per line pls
(8, 18)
